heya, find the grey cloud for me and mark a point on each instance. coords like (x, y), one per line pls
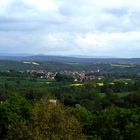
(25, 28)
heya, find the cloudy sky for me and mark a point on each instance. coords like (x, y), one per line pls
(70, 27)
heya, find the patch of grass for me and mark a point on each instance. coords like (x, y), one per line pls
(123, 94)
(125, 80)
(121, 65)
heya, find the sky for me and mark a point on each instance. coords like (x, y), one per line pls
(70, 27)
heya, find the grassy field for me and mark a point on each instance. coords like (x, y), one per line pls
(121, 65)
(125, 80)
(123, 94)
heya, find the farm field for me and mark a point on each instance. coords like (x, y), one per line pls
(121, 65)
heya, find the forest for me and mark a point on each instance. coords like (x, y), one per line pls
(109, 110)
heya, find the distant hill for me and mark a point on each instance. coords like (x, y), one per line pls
(67, 59)
(59, 66)
(58, 63)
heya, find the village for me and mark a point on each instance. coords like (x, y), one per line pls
(78, 76)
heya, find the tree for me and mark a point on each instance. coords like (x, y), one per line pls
(12, 111)
(53, 122)
(84, 117)
(117, 124)
(132, 100)
(63, 78)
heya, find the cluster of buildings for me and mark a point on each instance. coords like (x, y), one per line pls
(79, 76)
(83, 75)
(43, 74)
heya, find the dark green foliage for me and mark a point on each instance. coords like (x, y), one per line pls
(132, 100)
(84, 117)
(63, 78)
(13, 110)
(117, 124)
